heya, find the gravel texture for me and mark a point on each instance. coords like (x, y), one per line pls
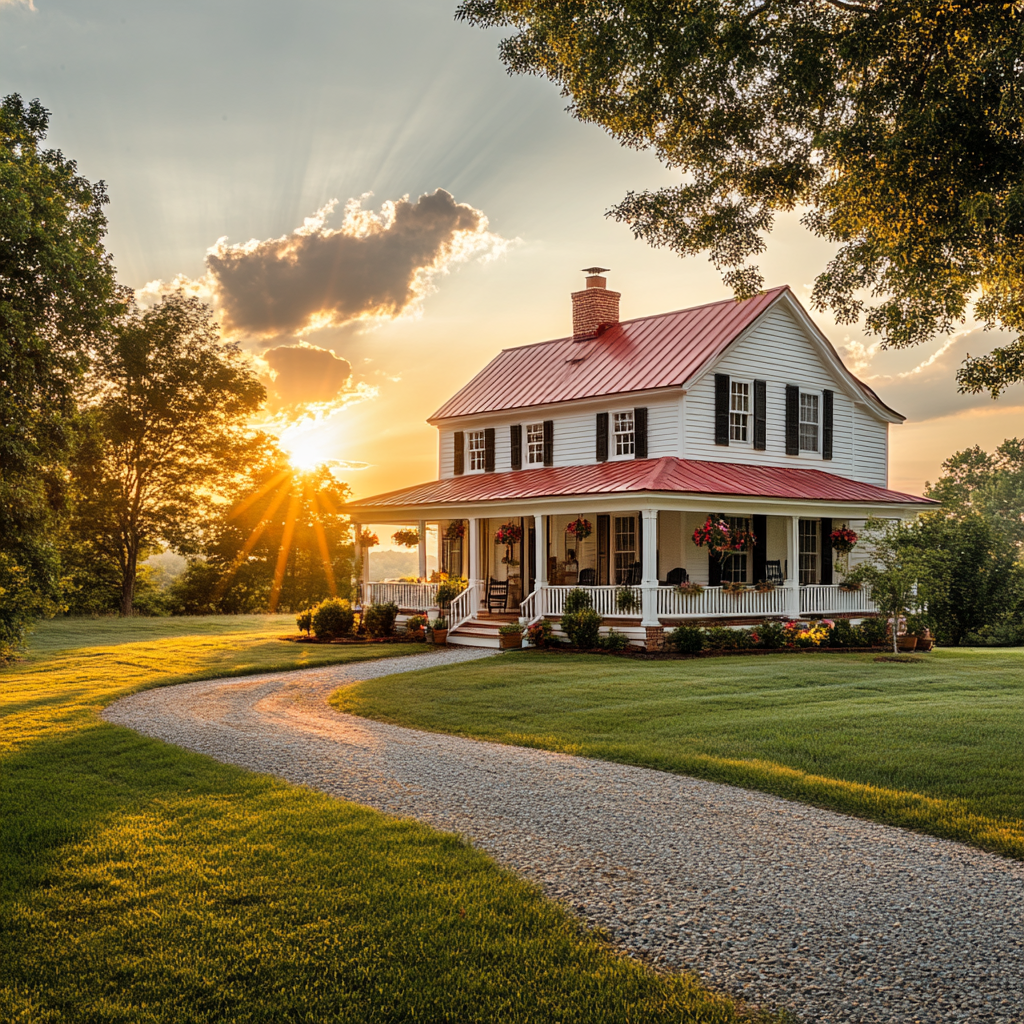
(836, 918)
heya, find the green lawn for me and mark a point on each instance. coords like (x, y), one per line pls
(143, 883)
(934, 744)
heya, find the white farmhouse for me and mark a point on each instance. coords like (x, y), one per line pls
(648, 429)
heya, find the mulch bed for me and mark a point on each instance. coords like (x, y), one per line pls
(357, 641)
(639, 654)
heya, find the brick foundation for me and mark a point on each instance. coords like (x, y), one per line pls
(655, 638)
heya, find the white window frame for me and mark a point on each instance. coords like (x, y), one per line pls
(810, 541)
(622, 444)
(623, 557)
(476, 451)
(740, 418)
(736, 564)
(533, 433)
(815, 396)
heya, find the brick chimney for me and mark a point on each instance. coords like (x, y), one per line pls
(595, 306)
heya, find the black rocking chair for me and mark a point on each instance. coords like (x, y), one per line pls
(675, 577)
(587, 578)
(773, 572)
(497, 594)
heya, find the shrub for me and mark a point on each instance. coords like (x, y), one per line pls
(686, 639)
(439, 623)
(541, 634)
(448, 590)
(332, 618)
(379, 619)
(843, 633)
(510, 629)
(305, 621)
(613, 641)
(576, 600)
(627, 600)
(415, 623)
(874, 632)
(770, 635)
(583, 628)
(724, 638)
(1006, 634)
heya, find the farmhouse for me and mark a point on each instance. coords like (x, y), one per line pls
(593, 460)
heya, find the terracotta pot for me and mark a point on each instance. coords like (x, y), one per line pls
(925, 643)
(906, 643)
(510, 641)
(439, 636)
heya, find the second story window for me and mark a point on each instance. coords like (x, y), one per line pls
(739, 411)
(535, 444)
(808, 422)
(625, 434)
(476, 446)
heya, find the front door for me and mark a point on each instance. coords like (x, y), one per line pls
(604, 546)
(531, 559)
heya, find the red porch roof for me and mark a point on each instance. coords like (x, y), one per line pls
(668, 474)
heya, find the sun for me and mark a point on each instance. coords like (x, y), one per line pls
(306, 451)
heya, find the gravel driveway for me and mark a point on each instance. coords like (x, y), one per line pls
(836, 918)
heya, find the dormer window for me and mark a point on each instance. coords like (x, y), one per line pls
(809, 422)
(476, 446)
(739, 411)
(535, 444)
(625, 433)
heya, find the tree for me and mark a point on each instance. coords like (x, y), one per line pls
(896, 124)
(991, 486)
(167, 405)
(57, 290)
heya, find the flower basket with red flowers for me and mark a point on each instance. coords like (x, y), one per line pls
(367, 539)
(580, 528)
(843, 540)
(456, 529)
(406, 538)
(716, 533)
(510, 534)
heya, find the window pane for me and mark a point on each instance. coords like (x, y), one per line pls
(625, 547)
(625, 439)
(535, 443)
(739, 407)
(477, 445)
(809, 423)
(808, 552)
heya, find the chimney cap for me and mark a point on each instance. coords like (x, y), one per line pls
(596, 270)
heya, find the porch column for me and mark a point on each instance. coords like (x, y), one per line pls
(649, 582)
(540, 541)
(474, 550)
(793, 580)
(423, 549)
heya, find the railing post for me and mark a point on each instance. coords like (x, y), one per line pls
(540, 544)
(423, 549)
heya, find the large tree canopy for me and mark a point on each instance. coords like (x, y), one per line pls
(169, 405)
(896, 125)
(57, 290)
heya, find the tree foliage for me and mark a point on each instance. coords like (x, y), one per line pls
(167, 405)
(57, 290)
(898, 126)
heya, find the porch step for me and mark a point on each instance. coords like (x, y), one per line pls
(478, 632)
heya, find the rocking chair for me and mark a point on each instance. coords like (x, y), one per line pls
(675, 577)
(497, 594)
(773, 572)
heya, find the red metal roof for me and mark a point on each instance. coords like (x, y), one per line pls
(636, 355)
(669, 474)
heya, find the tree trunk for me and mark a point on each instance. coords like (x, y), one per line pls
(128, 581)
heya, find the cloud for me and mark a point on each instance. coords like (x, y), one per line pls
(302, 374)
(376, 265)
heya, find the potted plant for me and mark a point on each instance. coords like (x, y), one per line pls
(689, 589)
(456, 529)
(850, 586)
(627, 600)
(437, 631)
(510, 534)
(906, 642)
(764, 586)
(510, 636)
(734, 587)
(449, 588)
(581, 529)
(843, 542)
(721, 538)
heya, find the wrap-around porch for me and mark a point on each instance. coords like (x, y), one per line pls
(644, 553)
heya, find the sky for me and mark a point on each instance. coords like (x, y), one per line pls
(375, 208)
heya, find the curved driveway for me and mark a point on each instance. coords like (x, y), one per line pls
(836, 918)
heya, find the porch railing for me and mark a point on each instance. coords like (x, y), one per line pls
(413, 596)
(464, 607)
(817, 600)
(715, 602)
(604, 600)
(528, 608)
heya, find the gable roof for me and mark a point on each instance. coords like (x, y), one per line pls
(667, 474)
(661, 351)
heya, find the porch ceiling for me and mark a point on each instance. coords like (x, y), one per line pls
(668, 476)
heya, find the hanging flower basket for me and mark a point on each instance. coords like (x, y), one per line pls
(843, 540)
(367, 539)
(689, 589)
(456, 529)
(733, 587)
(716, 534)
(510, 533)
(580, 528)
(406, 538)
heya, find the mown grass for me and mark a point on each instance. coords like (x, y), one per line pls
(143, 883)
(933, 744)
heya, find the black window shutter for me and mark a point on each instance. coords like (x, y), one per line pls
(640, 433)
(714, 569)
(460, 453)
(721, 408)
(760, 415)
(602, 437)
(759, 525)
(826, 550)
(549, 442)
(792, 419)
(826, 424)
(515, 433)
(489, 449)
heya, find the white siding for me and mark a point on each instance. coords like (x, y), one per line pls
(778, 352)
(575, 432)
